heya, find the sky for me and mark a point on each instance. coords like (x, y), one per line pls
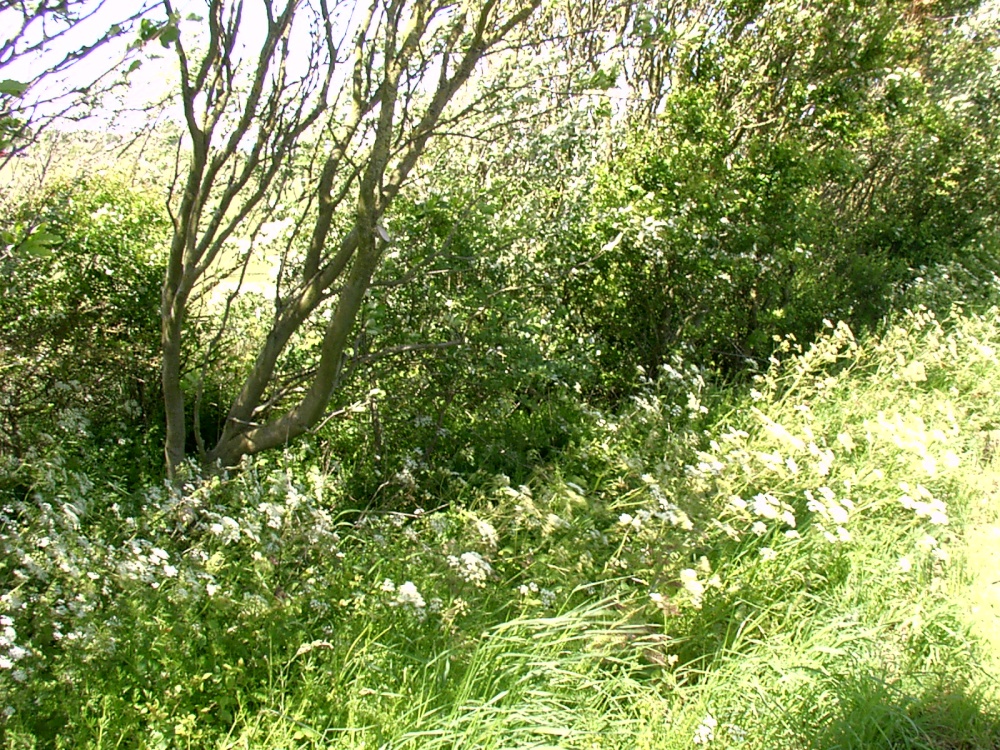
(151, 81)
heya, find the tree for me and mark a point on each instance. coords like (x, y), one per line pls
(322, 129)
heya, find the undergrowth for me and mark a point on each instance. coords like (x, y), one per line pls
(775, 568)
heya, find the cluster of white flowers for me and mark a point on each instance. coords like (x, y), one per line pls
(10, 652)
(705, 733)
(831, 509)
(407, 595)
(142, 561)
(227, 529)
(525, 589)
(924, 504)
(472, 567)
(636, 521)
(487, 532)
(273, 513)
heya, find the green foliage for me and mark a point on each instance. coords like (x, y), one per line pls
(78, 314)
(539, 517)
(789, 177)
(763, 569)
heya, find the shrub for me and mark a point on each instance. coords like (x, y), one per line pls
(79, 325)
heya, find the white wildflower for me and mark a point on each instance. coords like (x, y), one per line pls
(472, 567)
(487, 532)
(409, 595)
(705, 732)
(694, 587)
(766, 505)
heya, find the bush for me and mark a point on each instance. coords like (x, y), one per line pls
(79, 324)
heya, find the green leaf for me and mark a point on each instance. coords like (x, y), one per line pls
(38, 244)
(45, 238)
(169, 35)
(11, 87)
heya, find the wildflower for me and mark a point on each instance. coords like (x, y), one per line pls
(388, 586)
(472, 567)
(782, 434)
(766, 506)
(846, 441)
(694, 587)
(274, 513)
(951, 460)
(705, 732)
(409, 595)
(824, 463)
(548, 597)
(226, 529)
(487, 532)
(627, 520)
(737, 733)
(905, 564)
(915, 372)
(759, 528)
(837, 513)
(767, 554)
